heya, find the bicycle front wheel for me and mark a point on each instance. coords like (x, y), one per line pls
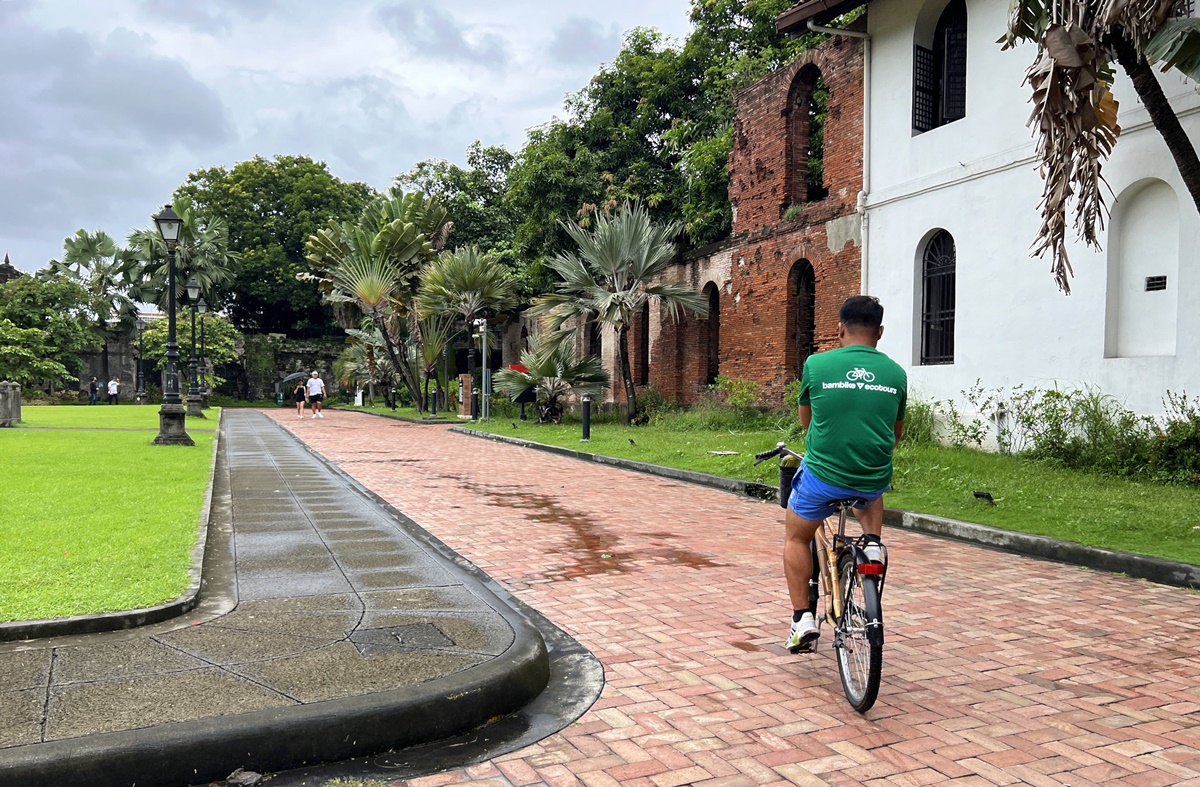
(859, 636)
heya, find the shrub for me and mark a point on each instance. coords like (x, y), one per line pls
(920, 422)
(737, 392)
(1175, 456)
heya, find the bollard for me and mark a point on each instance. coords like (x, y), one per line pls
(474, 404)
(5, 412)
(433, 404)
(587, 418)
(14, 402)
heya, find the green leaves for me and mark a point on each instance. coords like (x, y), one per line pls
(1176, 44)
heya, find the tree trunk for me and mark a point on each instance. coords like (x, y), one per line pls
(1162, 115)
(626, 373)
(402, 369)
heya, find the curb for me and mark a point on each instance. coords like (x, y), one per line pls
(1163, 572)
(202, 750)
(131, 618)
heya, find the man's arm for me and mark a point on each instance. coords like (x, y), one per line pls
(899, 430)
(806, 416)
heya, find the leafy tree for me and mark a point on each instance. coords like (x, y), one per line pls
(374, 265)
(220, 341)
(365, 362)
(466, 284)
(612, 276)
(24, 355)
(1075, 115)
(106, 272)
(202, 253)
(59, 309)
(553, 373)
(271, 207)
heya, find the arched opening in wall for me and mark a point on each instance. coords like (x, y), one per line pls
(595, 337)
(643, 348)
(801, 315)
(712, 334)
(808, 101)
(940, 66)
(938, 265)
(1142, 294)
(524, 339)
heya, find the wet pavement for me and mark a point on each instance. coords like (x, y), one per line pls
(314, 598)
(998, 669)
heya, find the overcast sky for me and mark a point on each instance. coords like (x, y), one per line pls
(107, 106)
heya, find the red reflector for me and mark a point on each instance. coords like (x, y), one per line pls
(870, 568)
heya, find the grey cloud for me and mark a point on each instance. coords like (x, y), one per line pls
(431, 33)
(92, 126)
(211, 17)
(585, 41)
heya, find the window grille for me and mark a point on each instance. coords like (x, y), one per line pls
(937, 302)
(1156, 283)
(924, 99)
(954, 75)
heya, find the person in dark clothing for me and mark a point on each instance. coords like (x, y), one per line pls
(93, 391)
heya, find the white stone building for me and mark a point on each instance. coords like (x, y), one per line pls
(951, 194)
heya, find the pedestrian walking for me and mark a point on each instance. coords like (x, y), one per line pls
(316, 393)
(93, 390)
(300, 396)
(114, 387)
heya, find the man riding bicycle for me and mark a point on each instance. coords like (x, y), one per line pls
(852, 403)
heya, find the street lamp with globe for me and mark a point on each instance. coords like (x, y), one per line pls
(193, 397)
(171, 416)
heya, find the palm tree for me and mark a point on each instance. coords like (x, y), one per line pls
(613, 275)
(94, 260)
(1075, 115)
(364, 362)
(554, 373)
(202, 253)
(374, 264)
(469, 284)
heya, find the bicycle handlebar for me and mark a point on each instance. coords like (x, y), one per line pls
(780, 448)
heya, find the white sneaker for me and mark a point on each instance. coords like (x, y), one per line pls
(320, 415)
(804, 635)
(873, 551)
(314, 417)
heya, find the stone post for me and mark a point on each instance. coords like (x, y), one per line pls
(14, 402)
(5, 409)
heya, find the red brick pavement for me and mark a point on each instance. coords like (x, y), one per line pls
(997, 670)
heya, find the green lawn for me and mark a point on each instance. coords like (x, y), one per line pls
(105, 416)
(1149, 519)
(96, 521)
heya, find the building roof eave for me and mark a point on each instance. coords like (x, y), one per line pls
(794, 21)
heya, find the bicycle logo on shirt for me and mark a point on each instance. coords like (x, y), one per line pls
(860, 373)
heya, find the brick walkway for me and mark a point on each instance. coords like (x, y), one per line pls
(997, 669)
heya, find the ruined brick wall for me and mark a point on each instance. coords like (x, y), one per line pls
(758, 271)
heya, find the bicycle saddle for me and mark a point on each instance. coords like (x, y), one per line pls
(848, 502)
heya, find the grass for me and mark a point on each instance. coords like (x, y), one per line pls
(96, 521)
(1109, 512)
(121, 416)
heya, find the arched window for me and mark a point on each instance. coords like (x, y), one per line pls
(595, 337)
(524, 338)
(940, 71)
(802, 315)
(937, 300)
(712, 334)
(643, 352)
(1143, 272)
(806, 110)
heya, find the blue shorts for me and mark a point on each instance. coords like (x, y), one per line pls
(810, 496)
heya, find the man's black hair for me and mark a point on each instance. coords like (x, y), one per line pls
(861, 312)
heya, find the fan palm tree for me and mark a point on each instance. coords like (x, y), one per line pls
(1075, 115)
(375, 263)
(202, 253)
(364, 362)
(614, 273)
(106, 271)
(467, 284)
(553, 373)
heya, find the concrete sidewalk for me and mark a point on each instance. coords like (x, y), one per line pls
(329, 628)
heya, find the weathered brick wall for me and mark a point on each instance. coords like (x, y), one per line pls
(755, 270)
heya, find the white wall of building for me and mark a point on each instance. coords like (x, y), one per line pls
(977, 179)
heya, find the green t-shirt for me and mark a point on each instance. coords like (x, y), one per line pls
(857, 395)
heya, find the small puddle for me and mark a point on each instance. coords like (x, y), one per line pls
(591, 549)
(747, 647)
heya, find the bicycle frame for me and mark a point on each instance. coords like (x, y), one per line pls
(826, 549)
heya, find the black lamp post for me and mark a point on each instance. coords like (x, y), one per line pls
(193, 396)
(141, 364)
(171, 430)
(202, 307)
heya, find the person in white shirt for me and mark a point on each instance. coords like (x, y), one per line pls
(316, 392)
(114, 387)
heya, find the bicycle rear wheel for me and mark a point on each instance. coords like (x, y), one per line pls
(859, 637)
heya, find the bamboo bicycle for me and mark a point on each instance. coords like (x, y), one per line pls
(852, 585)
